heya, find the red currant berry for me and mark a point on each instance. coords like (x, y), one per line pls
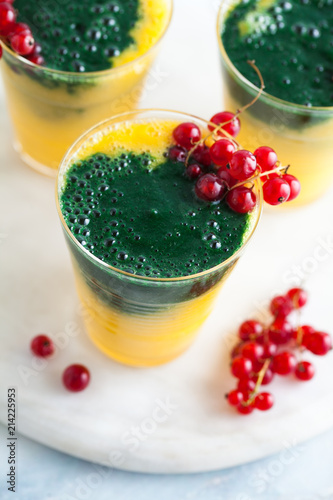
(223, 174)
(276, 191)
(201, 154)
(319, 343)
(298, 297)
(241, 199)
(42, 346)
(266, 158)
(176, 153)
(252, 351)
(193, 171)
(268, 377)
(280, 332)
(235, 397)
(246, 385)
(241, 367)
(245, 409)
(19, 28)
(210, 188)
(304, 371)
(7, 18)
(284, 363)
(231, 128)
(242, 165)
(265, 178)
(236, 350)
(264, 401)
(250, 329)
(270, 350)
(281, 306)
(23, 43)
(76, 378)
(294, 184)
(222, 151)
(36, 59)
(187, 134)
(303, 333)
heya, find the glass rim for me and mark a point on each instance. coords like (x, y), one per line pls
(223, 9)
(92, 74)
(74, 148)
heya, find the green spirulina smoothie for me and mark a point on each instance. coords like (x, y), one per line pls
(147, 221)
(291, 43)
(83, 36)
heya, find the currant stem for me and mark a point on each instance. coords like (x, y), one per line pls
(261, 375)
(218, 128)
(261, 174)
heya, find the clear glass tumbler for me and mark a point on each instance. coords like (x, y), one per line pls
(137, 320)
(301, 136)
(50, 109)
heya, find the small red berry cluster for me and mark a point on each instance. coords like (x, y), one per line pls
(224, 170)
(18, 35)
(75, 377)
(263, 352)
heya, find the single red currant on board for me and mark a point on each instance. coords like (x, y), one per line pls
(23, 43)
(187, 134)
(7, 18)
(222, 151)
(284, 363)
(201, 154)
(319, 343)
(276, 191)
(294, 184)
(242, 165)
(210, 188)
(193, 171)
(241, 367)
(176, 153)
(76, 378)
(42, 346)
(250, 329)
(298, 297)
(281, 305)
(235, 397)
(232, 128)
(264, 401)
(304, 371)
(241, 199)
(266, 158)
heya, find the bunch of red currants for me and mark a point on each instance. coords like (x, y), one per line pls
(18, 35)
(264, 352)
(224, 170)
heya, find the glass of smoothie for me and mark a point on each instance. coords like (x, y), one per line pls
(149, 256)
(291, 44)
(97, 55)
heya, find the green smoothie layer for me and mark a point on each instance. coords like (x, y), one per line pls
(147, 221)
(82, 35)
(291, 43)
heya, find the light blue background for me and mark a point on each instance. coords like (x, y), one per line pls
(304, 473)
